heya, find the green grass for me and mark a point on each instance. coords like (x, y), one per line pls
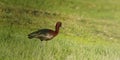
(90, 29)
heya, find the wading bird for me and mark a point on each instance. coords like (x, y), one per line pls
(45, 34)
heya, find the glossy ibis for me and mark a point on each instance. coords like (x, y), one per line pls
(45, 34)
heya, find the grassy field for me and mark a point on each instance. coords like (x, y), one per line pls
(90, 30)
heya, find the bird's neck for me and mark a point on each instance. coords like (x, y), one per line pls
(57, 30)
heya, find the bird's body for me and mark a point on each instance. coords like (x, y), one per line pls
(45, 34)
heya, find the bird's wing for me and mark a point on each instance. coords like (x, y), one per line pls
(43, 33)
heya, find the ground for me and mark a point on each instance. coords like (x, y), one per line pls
(90, 29)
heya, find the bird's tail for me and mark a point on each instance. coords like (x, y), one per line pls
(32, 35)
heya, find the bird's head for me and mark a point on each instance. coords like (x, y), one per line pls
(58, 24)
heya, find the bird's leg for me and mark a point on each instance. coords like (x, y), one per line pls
(42, 46)
(43, 49)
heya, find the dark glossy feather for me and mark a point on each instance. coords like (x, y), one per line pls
(45, 34)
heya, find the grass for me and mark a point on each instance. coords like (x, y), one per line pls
(90, 29)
